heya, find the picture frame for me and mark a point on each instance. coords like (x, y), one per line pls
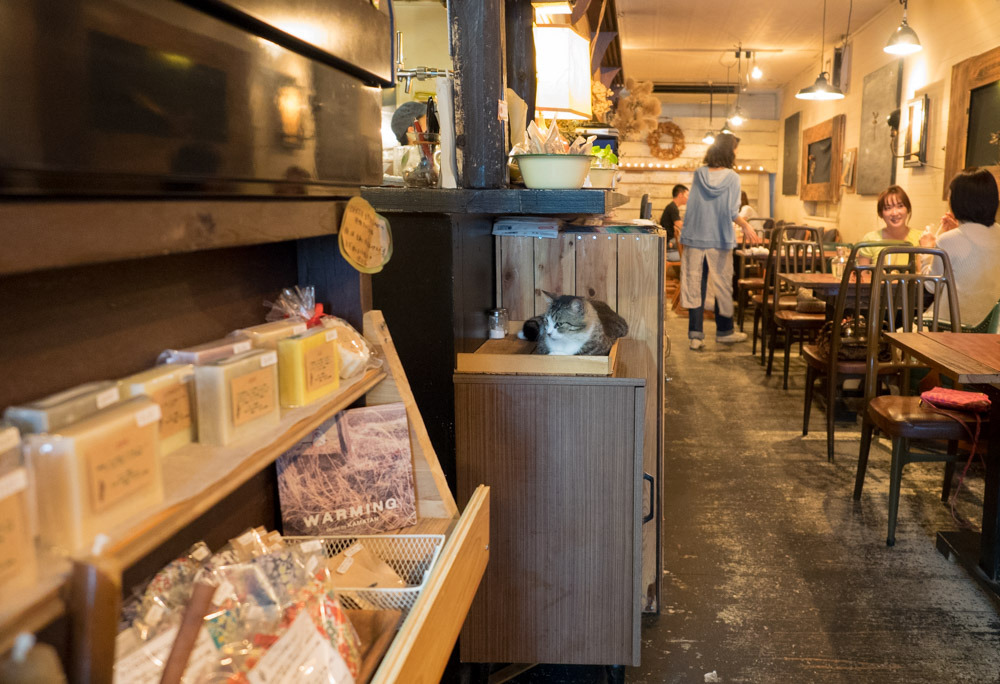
(848, 166)
(915, 142)
(822, 160)
(966, 76)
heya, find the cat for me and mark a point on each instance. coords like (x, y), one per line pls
(574, 326)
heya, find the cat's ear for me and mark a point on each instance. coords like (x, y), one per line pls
(547, 296)
(577, 305)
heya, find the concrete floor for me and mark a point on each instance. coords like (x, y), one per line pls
(772, 572)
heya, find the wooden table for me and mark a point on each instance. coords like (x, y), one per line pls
(970, 359)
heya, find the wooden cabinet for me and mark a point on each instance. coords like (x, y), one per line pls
(79, 314)
(562, 456)
(626, 271)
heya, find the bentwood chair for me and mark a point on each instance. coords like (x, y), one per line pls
(853, 299)
(760, 312)
(898, 299)
(791, 255)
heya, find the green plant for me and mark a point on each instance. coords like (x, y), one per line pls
(603, 157)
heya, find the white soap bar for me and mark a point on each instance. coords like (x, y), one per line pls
(207, 352)
(59, 410)
(172, 387)
(237, 396)
(266, 335)
(97, 473)
(18, 565)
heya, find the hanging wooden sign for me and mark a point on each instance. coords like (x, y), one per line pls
(365, 239)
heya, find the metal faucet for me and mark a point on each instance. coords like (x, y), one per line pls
(420, 73)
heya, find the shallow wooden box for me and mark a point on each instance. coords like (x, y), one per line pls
(513, 356)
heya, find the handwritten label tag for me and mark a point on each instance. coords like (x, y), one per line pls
(145, 665)
(14, 541)
(301, 654)
(298, 329)
(312, 546)
(345, 565)
(120, 464)
(365, 239)
(331, 335)
(241, 347)
(321, 367)
(268, 359)
(148, 415)
(353, 550)
(175, 408)
(108, 397)
(252, 395)
(502, 110)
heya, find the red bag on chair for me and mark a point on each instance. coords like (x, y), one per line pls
(956, 400)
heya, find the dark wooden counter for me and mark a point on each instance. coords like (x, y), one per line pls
(492, 201)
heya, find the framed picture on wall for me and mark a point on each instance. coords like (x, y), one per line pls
(973, 116)
(822, 159)
(847, 169)
(915, 143)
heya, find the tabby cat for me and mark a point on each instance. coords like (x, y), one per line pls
(574, 326)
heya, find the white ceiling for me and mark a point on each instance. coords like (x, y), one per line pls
(674, 41)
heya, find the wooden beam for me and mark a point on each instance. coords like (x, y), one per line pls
(478, 37)
(521, 55)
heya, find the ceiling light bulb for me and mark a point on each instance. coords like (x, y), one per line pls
(903, 41)
(756, 73)
(737, 119)
(708, 139)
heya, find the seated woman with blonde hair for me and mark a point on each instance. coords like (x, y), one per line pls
(894, 208)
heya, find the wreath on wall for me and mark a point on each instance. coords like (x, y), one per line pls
(676, 135)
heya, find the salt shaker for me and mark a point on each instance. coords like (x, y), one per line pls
(497, 323)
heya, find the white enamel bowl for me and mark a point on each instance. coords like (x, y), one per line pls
(554, 171)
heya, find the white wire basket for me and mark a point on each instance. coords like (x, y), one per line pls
(411, 556)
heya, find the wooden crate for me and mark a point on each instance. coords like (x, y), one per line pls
(627, 272)
(512, 356)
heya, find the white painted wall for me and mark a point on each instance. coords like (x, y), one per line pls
(950, 31)
(425, 43)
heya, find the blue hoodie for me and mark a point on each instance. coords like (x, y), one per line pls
(711, 209)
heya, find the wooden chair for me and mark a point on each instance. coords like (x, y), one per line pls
(750, 276)
(825, 362)
(760, 312)
(800, 255)
(899, 297)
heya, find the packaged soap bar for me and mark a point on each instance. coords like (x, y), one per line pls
(208, 352)
(172, 387)
(237, 396)
(97, 473)
(17, 535)
(59, 410)
(266, 335)
(309, 366)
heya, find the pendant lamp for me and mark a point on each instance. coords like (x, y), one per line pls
(821, 89)
(709, 137)
(904, 40)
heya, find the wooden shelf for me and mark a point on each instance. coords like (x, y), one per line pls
(29, 609)
(196, 477)
(494, 201)
(40, 235)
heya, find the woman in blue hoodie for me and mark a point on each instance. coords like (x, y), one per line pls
(708, 239)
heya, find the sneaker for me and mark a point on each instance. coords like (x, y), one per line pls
(696, 344)
(732, 338)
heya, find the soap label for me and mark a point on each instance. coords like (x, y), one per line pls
(14, 541)
(175, 408)
(252, 395)
(301, 654)
(268, 359)
(108, 397)
(241, 347)
(321, 367)
(298, 328)
(120, 465)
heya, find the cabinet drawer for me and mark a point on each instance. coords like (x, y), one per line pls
(420, 651)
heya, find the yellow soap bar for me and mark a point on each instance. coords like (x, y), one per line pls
(18, 565)
(172, 387)
(266, 335)
(237, 396)
(97, 473)
(308, 366)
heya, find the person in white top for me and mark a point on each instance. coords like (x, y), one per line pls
(746, 211)
(971, 239)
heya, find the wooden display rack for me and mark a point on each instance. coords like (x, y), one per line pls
(91, 303)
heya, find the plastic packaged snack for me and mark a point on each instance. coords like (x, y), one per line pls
(355, 352)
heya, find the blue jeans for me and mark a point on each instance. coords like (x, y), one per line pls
(696, 317)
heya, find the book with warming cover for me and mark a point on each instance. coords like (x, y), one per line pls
(352, 475)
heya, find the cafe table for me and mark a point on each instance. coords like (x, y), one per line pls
(972, 359)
